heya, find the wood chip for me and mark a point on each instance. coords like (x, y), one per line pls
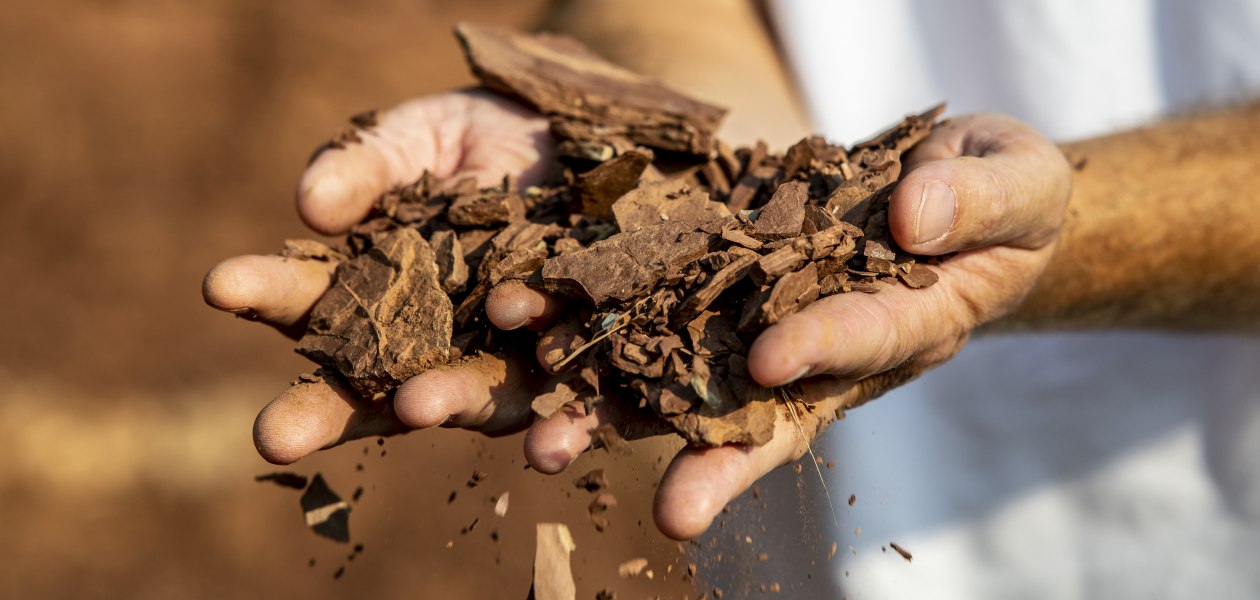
(553, 577)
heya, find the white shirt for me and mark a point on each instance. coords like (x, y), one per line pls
(1109, 465)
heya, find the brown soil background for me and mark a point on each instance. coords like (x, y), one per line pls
(145, 141)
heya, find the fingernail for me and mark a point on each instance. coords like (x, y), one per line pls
(799, 374)
(937, 207)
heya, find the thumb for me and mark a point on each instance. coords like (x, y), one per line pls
(344, 179)
(980, 181)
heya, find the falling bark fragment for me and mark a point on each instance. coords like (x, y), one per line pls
(831, 553)
(607, 437)
(284, 479)
(326, 513)
(553, 578)
(476, 478)
(364, 120)
(501, 505)
(902, 551)
(606, 594)
(546, 404)
(632, 567)
(852, 499)
(592, 481)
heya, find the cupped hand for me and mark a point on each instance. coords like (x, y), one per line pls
(452, 135)
(986, 187)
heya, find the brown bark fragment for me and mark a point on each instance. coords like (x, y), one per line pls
(485, 210)
(603, 185)
(783, 216)
(587, 97)
(385, 319)
(627, 265)
(664, 201)
(547, 403)
(919, 276)
(449, 255)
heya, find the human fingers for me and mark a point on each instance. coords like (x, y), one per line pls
(276, 290)
(552, 444)
(560, 342)
(856, 335)
(512, 305)
(976, 181)
(314, 415)
(699, 482)
(485, 393)
(465, 133)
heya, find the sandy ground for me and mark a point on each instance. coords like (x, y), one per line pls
(143, 143)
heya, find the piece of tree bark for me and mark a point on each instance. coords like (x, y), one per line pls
(587, 97)
(386, 318)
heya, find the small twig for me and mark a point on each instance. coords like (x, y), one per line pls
(810, 448)
(584, 347)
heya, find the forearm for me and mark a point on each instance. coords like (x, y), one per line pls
(716, 50)
(1162, 231)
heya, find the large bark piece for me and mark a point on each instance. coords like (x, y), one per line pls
(587, 97)
(385, 319)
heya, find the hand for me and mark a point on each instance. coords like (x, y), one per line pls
(987, 187)
(453, 135)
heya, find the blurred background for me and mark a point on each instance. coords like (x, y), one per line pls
(145, 141)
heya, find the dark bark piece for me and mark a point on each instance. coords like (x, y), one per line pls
(485, 210)
(833, 283)
(902, 551)
(449, 255)
(919, 276)
(603, 185)
(608, 438)
(749, 184)
(907, 133)
(628, 265)
(326, 513)
(364, 120)
(798, 158)
(712, 334)
(385, 319)
(743, 415)
(672, 200)
(587, 97)
(593, 481)
(778, 263)
(284, 479)
(791, 293)
(721, 281)
(817, 219)
(311, 250)
(783, 216)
